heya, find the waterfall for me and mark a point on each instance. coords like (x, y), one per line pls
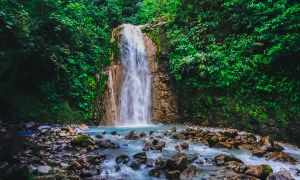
(135, 96)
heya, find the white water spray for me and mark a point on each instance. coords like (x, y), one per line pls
(135, 98)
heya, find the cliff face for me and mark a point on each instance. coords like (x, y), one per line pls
(164, 102)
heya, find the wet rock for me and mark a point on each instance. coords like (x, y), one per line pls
(223, 145)
(179, 136)
(281, 156)
(99, 136)
(230, 133)
(160, 163)
(143, 134)
(44, 169)
(114, 145)
(223, 158)
(141, 156)
(184, 145)
(266, 143)
(157, 144)
(178, 162)
(154, 172)
(236, 166)
(104, 143)
(212, 141)
(244, 147)
(258, 152)
(114, 133)
(190, 171)
(132, 136)
(277, 147)
(95, 159)
(82, 141)
(259, 171)
(75, 165)
(282, 175)
(122, 159)
(174, 174)
(135, 165)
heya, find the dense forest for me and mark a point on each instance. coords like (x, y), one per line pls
(234, 63)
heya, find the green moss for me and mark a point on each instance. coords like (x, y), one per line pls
(82, 140)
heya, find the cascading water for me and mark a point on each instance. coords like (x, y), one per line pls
(135, 97)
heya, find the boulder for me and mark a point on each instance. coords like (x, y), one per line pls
(154, 172)
(44, 169)
(75, 165)
(257, 151)
(184, 145)
(223, 145)
(281, 156)
(282, 175)
(230, 133)
(82, 141)
(122, 159)
(141, 156)
(223, 158)
(135, 165)
(132, 136)
(236, 166)
(114, 133)
(178, 162)
(160, 163)
(259, 171)
(99, 136)
(174, 174)
(212, 141)
(266, 143)
(190, 171)
(104, 143)
(244, 147)
(277, 147)
(114, 145)
(143, 134)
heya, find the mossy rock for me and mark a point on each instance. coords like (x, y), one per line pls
(82, 141)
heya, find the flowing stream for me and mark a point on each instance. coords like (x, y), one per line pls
(203, 153)
(135, 97)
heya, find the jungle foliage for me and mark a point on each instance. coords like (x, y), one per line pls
(235, 62)
(51, 55)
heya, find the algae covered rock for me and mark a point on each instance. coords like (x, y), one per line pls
(82, 141)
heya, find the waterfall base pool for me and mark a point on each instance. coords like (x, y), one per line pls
(199, 154)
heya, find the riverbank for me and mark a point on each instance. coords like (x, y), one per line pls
(159, 151)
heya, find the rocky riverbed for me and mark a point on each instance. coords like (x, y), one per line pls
(154, 152)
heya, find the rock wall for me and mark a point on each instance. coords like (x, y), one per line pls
(164, 102)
